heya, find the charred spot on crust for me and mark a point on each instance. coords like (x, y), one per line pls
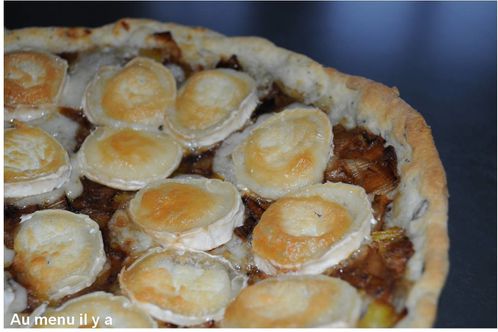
(168, 43)
(231, 63)
(167, 50)
(125, 25)
(164, 36)
(70, 57)
(360, 158)
(75, 33)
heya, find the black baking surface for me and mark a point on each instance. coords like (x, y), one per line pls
(441, 56)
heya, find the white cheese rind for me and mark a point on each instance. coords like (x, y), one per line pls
(237, 117)
(58, 251)
(295, 301)
(141, 105)
(168, 259)
(355, 200)
(25, 152)
(216, 232)
(278, 155)
(134, 167)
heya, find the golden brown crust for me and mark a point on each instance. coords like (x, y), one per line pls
(421, 202)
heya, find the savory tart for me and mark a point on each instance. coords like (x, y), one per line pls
(163, 175)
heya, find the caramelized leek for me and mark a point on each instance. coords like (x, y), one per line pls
(379, 314)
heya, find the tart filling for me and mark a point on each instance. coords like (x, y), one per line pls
(182, 287)
(210, 106)
(190, 212)
(128, 159)
(312, 229)
(33, 82)
(295, 301)
(58, 253)
(34, 162)
(135, 96)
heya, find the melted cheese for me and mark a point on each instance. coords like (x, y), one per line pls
(85, 68)
(71, 189)
(210, 106)
(312, 229)
(58, 253)
(127, 236)
(34, 162)
(15, 299)
(128, 159)
(305, 301)
(135, 96)
(60, 127)
(286, 152)
(32, 83)
(237, 252)
(190, 212)
(181, 287)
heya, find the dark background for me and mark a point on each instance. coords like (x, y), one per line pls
(441, 56)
